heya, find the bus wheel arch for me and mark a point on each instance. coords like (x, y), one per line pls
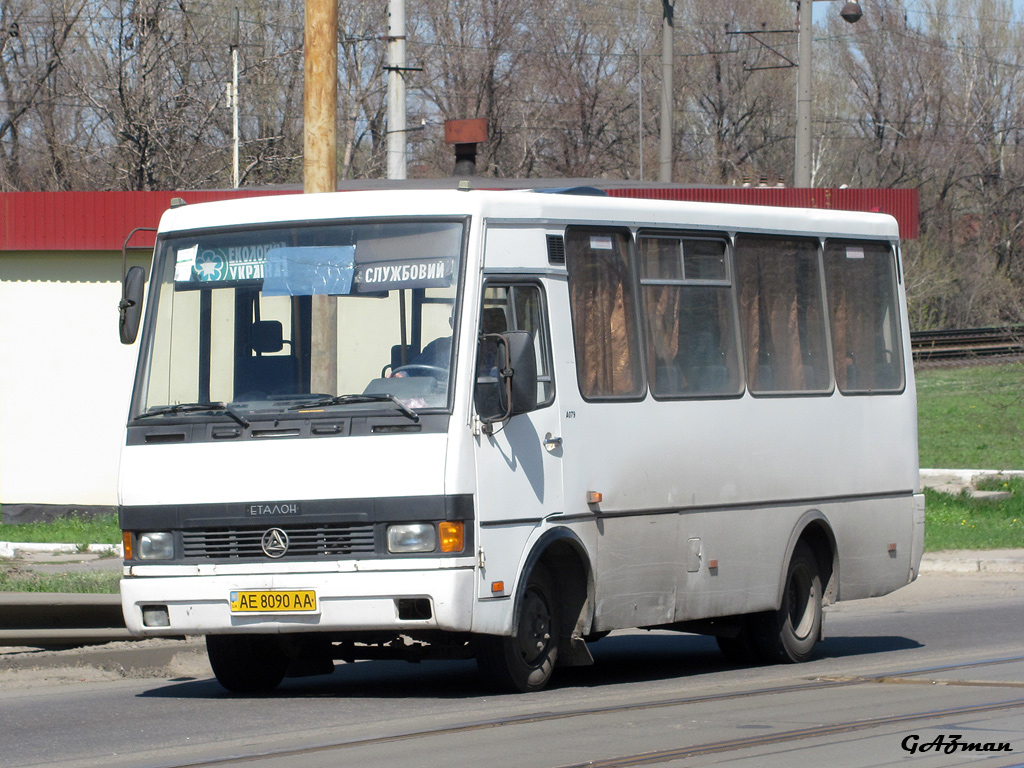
(552, 611)
(816, 532)
(789, 633)
(565, 558)
(524, 661)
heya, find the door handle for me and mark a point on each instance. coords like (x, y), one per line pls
(552, 443)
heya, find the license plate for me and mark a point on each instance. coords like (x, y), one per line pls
(274, 601)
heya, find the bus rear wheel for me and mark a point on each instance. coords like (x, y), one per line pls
(789, 634)
(247, 663)
(525, 661)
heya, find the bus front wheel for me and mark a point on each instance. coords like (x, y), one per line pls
(789, 634)
(525, 661)
(247, 663)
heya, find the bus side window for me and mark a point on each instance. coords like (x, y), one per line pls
(688, 309)
(860, 278)
(604, 318)
(781, 315)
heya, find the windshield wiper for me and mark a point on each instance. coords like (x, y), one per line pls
(195, 408)
(376, 397)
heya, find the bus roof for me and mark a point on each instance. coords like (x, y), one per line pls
(525, 206)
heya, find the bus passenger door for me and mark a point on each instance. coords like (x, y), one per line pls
(519, 470)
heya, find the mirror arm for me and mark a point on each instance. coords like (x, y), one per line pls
(124, 263)
(126, 304)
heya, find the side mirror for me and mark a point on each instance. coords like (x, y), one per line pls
(131, 304)
(132, 285)
(506, 376)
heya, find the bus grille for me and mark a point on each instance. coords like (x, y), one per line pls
(303, 541)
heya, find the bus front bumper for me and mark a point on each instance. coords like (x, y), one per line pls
(437, 599)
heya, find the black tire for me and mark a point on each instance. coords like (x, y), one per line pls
(525, 661)
(247, 663)
(789, 634)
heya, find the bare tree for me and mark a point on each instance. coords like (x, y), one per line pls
(736, 98)
(32, 46)
(472, 54)
(270, 93)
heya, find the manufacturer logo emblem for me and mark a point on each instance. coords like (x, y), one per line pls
(275, 543)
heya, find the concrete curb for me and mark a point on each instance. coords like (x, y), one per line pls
(956, 481)
(1005, 561)
(964, 477)
(13, 549)
(141, 657)
(48, 619)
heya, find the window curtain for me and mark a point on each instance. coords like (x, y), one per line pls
(603, 314)
(862, 303)
(780, 307)
(661, 259)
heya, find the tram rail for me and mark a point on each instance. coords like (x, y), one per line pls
(687, 751)
(962, 344)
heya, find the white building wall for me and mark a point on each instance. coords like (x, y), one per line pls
(65, 379)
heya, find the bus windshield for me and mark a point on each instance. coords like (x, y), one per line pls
(326, 314)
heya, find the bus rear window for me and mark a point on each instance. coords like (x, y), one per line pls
(861, 282)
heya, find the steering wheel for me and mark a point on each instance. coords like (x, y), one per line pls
(421, 369)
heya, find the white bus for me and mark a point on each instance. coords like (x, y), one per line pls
(455, 424)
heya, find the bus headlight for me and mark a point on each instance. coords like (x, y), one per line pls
(412, 537)
(156, 546)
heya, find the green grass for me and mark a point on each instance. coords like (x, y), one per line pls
(81, 530)
(971, 417)
(962, 522)
(14, 579)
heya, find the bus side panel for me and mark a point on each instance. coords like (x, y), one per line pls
(639, 571)
(737, 475)
(876, 546)
(749, 549)
(735, 562)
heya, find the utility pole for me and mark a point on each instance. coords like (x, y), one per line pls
(320, 167)
(320, 133)
(233, 100)
(396, 141)
(639, 93)
(851, 13)
(665, 140)
(804, 29)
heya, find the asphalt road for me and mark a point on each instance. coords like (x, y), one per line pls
(942, 657)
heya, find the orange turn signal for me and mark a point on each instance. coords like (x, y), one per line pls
(452, 536)
(126, 540)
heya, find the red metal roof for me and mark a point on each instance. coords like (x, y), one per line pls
(100, 221)
(902, 204)
(90, 221)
